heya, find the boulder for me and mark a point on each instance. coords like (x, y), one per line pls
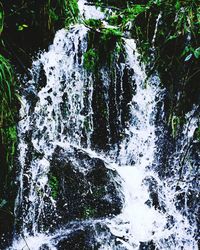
(82, 187)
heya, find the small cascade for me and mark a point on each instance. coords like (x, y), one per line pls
(89, 155)
(156, 30)
(62, 115)
(140, 132)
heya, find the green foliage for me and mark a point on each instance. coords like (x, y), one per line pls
(121, 17)
(130, 14)
(110, 33)
(6, 90)
(191, 53)
(7, 109)
(55, 12)
(22, 27)
(90, 59)
(175, 123)
(53, 15)
(9, 135)
(93, 23)
(114, 19)
(175, 50)
(53, 183)
(71, 12)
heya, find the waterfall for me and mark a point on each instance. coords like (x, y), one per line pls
(72, 193)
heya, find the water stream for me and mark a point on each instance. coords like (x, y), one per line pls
(139, 208)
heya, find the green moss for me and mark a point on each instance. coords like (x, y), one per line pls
(197, 134)
(87, 124)
(90, 59)
(10, 138)
(175, 123)
(53, 183)
(99, 192)
(114, 20)
(89, 212)
(110, 33)
(93, 23)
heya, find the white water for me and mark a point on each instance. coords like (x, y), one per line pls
(57, 117)
(156, 30)
(54, 124)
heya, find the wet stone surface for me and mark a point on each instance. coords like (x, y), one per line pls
(84, 188)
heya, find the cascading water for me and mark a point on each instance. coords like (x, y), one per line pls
(64, 103)
(74, 196)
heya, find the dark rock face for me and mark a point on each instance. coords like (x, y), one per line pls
(80, 239)
(8, 192)
(6, 227)
(85, 188)
(147, 246)
(87, 236)
(153, 192)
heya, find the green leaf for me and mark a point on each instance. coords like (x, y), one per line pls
(197, 53)
(22, 27)
(172, 37)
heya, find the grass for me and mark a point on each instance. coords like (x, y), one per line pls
(8, 111)
(6, 91)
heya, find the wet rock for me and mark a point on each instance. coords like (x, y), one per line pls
(147, 246)
(44, 247)
(153, 192)
(88, 236)
(6, 227)
(79, 239)
(83, 187)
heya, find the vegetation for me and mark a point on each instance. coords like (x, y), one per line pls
(90, 59)
(8, 112)
(93, 23)
(7, 84)
(8, 137)
(197, 133)
(71, 11)
(89, 212)
(110, 33)
(173, 51)
(53, 183)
